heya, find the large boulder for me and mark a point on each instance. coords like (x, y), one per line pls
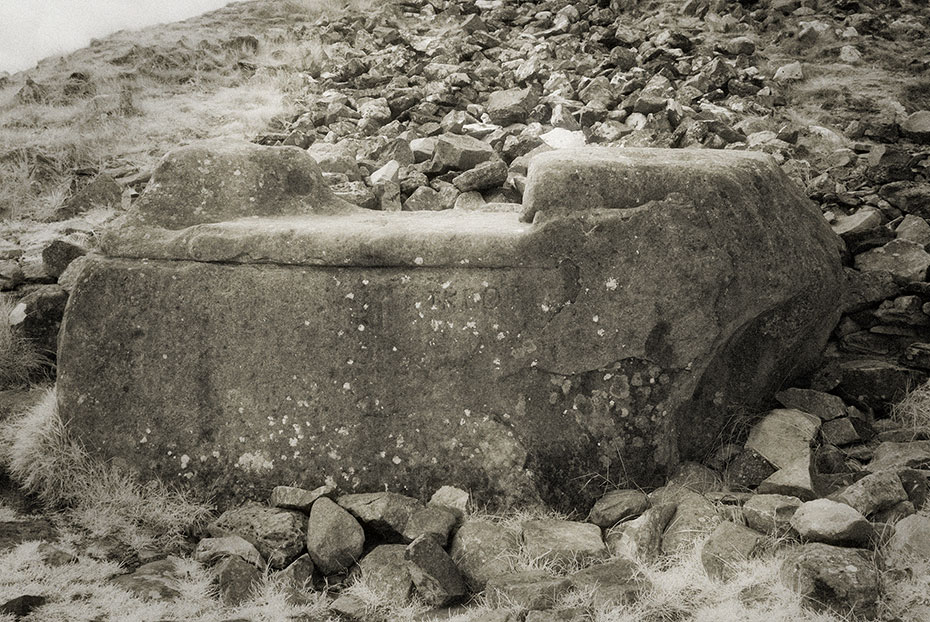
(248, 328)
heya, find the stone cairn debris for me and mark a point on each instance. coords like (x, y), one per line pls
(478, 127)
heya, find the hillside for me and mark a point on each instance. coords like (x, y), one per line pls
(838, 93)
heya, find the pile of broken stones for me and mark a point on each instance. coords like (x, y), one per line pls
(844, 512)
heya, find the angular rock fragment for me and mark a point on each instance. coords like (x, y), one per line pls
(641, 538)
(833, 578)
(612, 583)
(727, 546)
(434, 574)
(385, 512)
(562, 541)
(527, 589)
(831, 522)
(211, 550)
(873, 493)
(384, 569)
(483, 550)
(278, 535)
(236, 580)
(771, 514)
(335, 540)
(618, 505)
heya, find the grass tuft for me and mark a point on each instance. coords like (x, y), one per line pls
(20, 361)
(104, 500)
(913, 412)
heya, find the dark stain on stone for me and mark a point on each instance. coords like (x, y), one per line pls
(299, 182)
(658, 348)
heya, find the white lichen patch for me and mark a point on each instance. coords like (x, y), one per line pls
(611, 284)
(256, 462)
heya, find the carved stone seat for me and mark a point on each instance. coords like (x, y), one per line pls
(244, 328)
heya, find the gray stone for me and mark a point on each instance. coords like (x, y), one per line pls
(156, 580)
(482, 550)
(22, 606)
(893, 456)
(612, 583)
(748, 469)
(511, 106)
(641, 538)
(910, 542)
(432, 520)
(44, 309)
(293, 498)
(915, 229)
(831, 522)
(483, 176)
(903, 258)
(527, 589)
(236, 580)
(832, 578)
(771, 514)
(727, 546)
(353, 608)
(335, 540)
(334, 159)
(839, 432)
(300, 573)
(277, 534)
(385, 571)
(618, 505)
(451, 498)
(211, 550)
(460, 153)
(793, 480)
(917, 126)
(783, 436)
(873, 493)
(103, 192)
(58, 254)
(434, 574)
(695, 517)
(295, 273)
(562, 541)
(385, 512)
(824, 405)
(423, 198)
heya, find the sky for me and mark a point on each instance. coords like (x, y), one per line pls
(33, 29)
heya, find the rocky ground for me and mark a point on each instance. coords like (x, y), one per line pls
(439, 104)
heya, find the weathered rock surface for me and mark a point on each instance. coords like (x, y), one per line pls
(562, 541)
(482, 550)
(727, 546)
(277, 534)
(843, 580)
(335, 540)
(696, 284)
(527, 589)
(831, 522)
(435, 576)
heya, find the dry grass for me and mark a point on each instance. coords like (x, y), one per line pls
(913, 412)
(104, 501)
(20, 361)
(83, 591)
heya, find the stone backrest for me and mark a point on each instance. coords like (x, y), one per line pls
(245, 328)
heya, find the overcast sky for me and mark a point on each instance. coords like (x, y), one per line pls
(33, 29)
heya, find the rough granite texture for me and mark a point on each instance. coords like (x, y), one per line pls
(272, 333)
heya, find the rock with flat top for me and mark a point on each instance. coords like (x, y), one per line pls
(562, 541)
